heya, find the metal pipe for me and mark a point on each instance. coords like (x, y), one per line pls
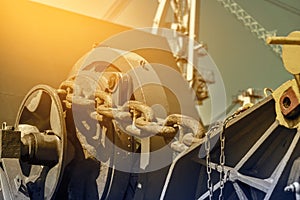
(283, 40)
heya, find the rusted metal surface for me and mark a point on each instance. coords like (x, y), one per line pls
(10, 144)
(289, 103)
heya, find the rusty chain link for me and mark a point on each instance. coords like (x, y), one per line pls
(66, 91)
(190, 131)
(137, 118)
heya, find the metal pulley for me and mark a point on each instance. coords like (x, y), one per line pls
(34, 169)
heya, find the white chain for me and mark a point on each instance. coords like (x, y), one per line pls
(208, 163)
(222, 160)
(222, 154)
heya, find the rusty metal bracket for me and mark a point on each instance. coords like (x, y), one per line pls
(287, 104)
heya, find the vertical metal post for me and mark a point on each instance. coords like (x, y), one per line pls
(192, 20)
(160, 12)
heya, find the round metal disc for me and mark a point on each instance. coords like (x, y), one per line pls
(41, 110)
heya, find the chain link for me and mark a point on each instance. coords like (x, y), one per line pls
(215, 129)
(209, 166)
(222, 154)
(133, 117)
(222, 161)
(208, 163)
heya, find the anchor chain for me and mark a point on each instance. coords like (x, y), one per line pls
(136, 118)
